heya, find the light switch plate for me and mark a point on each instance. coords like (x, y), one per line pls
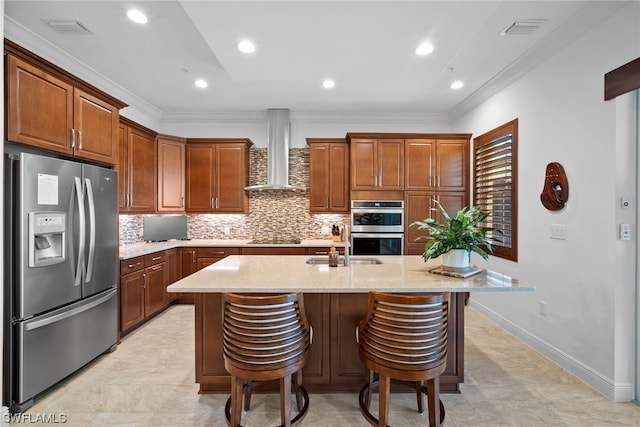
(625, 232)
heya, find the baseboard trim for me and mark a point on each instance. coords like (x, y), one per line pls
(602, 384)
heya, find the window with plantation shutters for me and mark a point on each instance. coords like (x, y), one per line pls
(495, 168)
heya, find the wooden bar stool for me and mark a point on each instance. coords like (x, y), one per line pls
(405, 338)
(265, 338)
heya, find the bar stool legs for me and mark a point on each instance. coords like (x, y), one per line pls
(404, 338)
(265, 338)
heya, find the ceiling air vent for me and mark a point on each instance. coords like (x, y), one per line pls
(523, 27)
(68, 26)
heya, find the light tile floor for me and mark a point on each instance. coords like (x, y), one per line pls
(149, 381)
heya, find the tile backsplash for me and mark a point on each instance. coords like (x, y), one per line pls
(272, 214)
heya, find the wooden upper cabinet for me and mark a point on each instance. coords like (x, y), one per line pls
(200, 163)
(420, 162)
(328, 175)
(453, 164)
(363, 164)
(122, 168)
(171, 173)
(40, 108)
(231, 177)
(377, 164)
(137, 172)
(47, 111)
(217, 173)
(96, 128)
(438, 164)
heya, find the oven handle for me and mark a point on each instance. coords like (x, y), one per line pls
(355, 235)
(377, 210)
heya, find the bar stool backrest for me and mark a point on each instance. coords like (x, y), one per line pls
(405, 335)
(264, 334)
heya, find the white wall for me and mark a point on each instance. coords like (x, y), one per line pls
(588, 280)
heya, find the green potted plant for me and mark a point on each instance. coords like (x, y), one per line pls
(456, 238)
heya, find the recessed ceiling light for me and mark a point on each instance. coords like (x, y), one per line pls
(424, 49)
(201, 83)
(137, 16)
(246, 46)
(328, 84)
(456, 85)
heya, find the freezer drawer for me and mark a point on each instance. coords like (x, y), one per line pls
(53, 346)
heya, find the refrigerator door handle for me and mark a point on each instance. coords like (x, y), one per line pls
(81, 239)
(92, 231)
(73, 312)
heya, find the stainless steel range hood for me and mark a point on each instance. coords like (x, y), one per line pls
(279, 140)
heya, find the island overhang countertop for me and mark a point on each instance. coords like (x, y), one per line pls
(289, 273)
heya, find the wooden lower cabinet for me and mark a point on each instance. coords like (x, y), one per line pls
(187, 264)
(256, 250)
(143, 287)
(191, 260)
(208, 256)
(334, 365)
(172, 273)
(155, 288)
(346, 312)
(131, 299)
(419, 205)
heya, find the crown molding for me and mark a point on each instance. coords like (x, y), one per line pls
(592, 14)
(48, 51)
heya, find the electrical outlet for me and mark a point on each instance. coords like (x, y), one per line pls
(542, 307)
(558, 231)
(227, 230)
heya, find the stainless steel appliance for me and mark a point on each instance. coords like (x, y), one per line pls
(158, 228)
(61, 242)
(377, 227)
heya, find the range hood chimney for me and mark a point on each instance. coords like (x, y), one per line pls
(279, 140)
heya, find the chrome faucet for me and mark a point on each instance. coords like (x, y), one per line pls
(347, 245)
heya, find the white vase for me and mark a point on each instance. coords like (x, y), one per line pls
(455, 260)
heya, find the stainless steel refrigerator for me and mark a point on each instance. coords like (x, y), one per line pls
(61, 238)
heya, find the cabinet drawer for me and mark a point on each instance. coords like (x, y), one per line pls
(130, 265)
(323, 251)
(155, 258)
(216, 252)
(273, 251)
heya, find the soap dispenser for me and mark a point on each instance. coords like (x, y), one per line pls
(333, 257)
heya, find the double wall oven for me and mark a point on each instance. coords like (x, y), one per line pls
(377, 227)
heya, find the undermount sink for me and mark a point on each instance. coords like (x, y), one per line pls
(324, 260)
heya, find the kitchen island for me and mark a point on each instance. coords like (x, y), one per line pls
(335, 301)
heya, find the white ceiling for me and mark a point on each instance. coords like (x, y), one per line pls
(367, 47)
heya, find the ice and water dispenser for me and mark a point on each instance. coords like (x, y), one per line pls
(47, 233)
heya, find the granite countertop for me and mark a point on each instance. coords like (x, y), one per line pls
(409, 273)
(145, 248)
